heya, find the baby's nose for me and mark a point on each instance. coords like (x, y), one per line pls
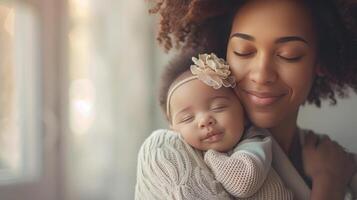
(207, 121)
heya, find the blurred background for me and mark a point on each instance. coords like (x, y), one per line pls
(78, 83)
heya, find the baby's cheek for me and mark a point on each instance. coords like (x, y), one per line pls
(191, 138)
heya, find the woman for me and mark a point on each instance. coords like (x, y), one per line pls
(282, 54)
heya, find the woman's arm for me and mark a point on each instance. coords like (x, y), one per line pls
(329, 167)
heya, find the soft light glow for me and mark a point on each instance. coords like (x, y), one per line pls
(80, 51)
(82, 111)
(9, 22)
(79, 8)
(84, 107)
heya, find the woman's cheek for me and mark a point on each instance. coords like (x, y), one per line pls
(299, 79)
(238, 69)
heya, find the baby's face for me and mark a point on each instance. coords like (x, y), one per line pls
(207, 118)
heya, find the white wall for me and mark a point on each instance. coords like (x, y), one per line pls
(339, 122)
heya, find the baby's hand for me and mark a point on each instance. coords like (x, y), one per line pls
(240, 174)
(327, 164)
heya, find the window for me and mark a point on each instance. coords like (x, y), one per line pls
(113, 71)
(29, 147)
(20, 114)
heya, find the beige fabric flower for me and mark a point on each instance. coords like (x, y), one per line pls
(213, 71)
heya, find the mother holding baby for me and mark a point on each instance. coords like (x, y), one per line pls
(282, 53)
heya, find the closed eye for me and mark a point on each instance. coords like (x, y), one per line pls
(290, 59)
(243, 54)
(187, 119)
(219, 108)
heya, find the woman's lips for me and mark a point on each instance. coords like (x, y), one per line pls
(263, 98)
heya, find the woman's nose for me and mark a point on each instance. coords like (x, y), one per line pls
(263, 70)
(207, 121)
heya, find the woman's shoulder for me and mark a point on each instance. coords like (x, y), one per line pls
(353, 183)
(303, 132)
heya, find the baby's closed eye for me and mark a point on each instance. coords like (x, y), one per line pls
(186, 118)
(219, 107)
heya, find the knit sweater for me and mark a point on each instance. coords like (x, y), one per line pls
(169, 168)
(159, 177)
(246, 171)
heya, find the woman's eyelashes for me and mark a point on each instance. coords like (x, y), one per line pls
(283, 57)
(243, 54)
(290, 58)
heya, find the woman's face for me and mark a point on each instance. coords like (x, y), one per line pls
(272, 54)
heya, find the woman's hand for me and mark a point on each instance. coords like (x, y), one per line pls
(328, 165)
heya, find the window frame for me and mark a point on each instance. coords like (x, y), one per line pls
(49, 184)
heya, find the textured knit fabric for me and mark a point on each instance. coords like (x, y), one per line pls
(169, 168)
(246, 171)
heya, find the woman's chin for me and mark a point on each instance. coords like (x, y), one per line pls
(264, 120)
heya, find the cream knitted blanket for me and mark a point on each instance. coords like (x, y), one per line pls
(169, 168)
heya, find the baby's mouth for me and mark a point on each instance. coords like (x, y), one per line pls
(213, 137)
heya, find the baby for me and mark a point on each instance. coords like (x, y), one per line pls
(202, 107)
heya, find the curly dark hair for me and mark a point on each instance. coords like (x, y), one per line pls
(172, 73)
(206, 24)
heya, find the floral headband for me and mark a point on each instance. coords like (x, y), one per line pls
(211, 70)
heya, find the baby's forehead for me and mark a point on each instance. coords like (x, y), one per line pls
(223, 91)
(197, 89)
(188, 73)
(181, 77)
